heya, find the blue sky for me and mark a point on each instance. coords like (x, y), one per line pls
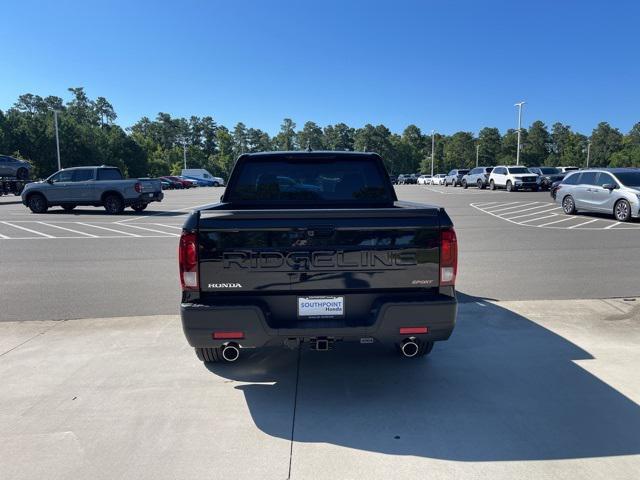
(445, 65)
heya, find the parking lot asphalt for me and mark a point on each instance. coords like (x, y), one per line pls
(513, 246)
(526, 390)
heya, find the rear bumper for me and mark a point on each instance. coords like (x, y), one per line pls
(145, 198)
(200, 322)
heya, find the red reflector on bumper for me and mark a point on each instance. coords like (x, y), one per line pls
(413, 330)
(227, 335)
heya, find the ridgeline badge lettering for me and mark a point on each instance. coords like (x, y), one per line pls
(318, 259)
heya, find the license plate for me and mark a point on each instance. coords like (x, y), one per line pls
(320, 306)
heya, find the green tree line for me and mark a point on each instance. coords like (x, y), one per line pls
(154, 147)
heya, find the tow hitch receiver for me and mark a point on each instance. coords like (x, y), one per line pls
(321, 344)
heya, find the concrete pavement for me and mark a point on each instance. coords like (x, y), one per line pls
(527, 390)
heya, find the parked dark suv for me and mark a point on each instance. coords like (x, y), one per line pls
(546, 176)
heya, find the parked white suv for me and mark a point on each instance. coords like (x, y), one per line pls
(513, 178)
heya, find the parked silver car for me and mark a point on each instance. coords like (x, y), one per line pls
(606, 190)
(12, 167)
(477, 177)
(454, 177)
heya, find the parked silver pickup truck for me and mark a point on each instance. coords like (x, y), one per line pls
(95, 186)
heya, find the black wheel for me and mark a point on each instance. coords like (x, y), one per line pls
(138, 207)
(622, 211)
(568, 205)
(509, 186)
(22, 174)
(216, 184)
(37, 203)
(113, 204)
(480, 185)
(492, 185)
(209, 355)
(68, 207)
(464, 184)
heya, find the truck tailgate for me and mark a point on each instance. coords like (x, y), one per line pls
(320, 250)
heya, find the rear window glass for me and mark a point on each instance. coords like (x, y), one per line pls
(83, 175)
(588, 178)
(571, 179)
(629, 179)
(549, 171)
(109, 174)
(310, 180)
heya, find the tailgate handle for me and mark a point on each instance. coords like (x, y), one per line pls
(320, 231)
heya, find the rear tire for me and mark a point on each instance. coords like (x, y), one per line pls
(216, 184)
(480, 185)
(622, 211)
(113, 204)
(22, 174)
(569, 205)
(209, 355)
(492, 185)
(464, 184)
(37, 203)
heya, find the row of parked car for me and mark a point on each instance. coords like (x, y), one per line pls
(614, 191)
(509, 177)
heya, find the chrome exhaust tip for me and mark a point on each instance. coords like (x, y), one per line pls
(231, 352)
(409, 348)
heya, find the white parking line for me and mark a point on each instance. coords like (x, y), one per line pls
(109, 229)
(152, 230)
(168, 226)
(557, 221)
(581, 224)
(514, 217)
(28, 230)
(68, 229)
(185, 209)
(484, 204)
(537, 218)
(2, 236)
(512, 207)
(533, 213)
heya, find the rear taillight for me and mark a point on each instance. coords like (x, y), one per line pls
(188, 260)
(138, 187)
(448, 257)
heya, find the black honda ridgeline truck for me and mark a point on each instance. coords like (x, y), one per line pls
(315, 247)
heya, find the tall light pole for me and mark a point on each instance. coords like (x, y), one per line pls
(477, 154)
(433, 144)
(519, 105)
(55, 122)
(184, 154)
(588, 151)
